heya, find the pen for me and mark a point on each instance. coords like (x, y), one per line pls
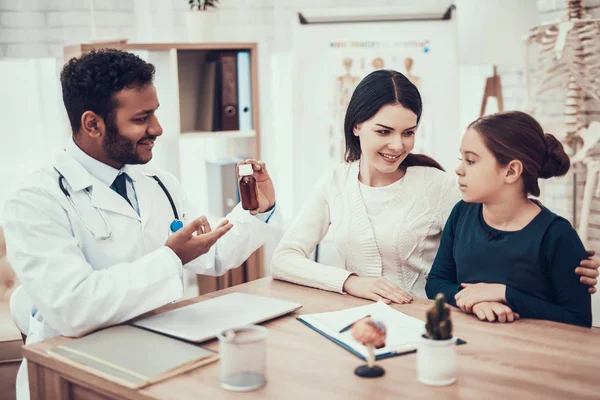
(344, 329)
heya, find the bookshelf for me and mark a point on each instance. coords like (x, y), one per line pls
(184, 148)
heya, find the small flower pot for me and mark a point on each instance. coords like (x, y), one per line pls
(201, 25)
(436, 361)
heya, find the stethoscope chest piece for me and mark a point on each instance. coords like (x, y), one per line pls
(176, 225)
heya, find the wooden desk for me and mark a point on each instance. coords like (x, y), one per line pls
(526, 359)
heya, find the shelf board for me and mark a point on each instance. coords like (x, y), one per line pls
(85, 47)
(218, 135)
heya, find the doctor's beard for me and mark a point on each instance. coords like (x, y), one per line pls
(118, 148)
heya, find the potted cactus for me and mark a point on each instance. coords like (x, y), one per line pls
(201, 20)
(436, 352)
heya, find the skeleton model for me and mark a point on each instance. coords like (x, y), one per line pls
(592, 185)
(569, 61)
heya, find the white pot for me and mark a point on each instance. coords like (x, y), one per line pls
(201, 25)
(436, 361)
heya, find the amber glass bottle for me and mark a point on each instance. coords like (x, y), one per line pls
(248, 189)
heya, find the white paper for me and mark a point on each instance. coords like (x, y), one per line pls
(403, 331)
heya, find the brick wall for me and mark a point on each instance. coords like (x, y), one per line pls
(40, 28)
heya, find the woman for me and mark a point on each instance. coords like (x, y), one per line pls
(385, 206)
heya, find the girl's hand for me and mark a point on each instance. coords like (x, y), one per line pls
(493, 311)
(474, 293)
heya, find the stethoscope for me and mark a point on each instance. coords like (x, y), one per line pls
(173, 227)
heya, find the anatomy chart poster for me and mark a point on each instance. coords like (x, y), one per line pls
(350, 61)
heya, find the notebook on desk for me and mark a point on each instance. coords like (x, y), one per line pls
(403, 331)
(132, 357)
(204, 320)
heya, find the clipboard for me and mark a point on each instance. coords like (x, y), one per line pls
(335, 327)
(132, 357)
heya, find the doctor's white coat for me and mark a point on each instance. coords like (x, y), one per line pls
(79, 283)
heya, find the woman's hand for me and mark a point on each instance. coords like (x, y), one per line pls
(493, 311)
(376, 289)
(588, 271)
(474, 293)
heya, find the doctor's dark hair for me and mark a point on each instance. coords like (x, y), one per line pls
(515, 135)
(90, 82)
(376, 90)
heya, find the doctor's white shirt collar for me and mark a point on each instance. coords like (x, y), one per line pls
(103, 172)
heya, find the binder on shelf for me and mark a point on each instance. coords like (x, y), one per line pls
(218, 96)
(208, 98)
(229, 91)
(225, 97)
(244, 91)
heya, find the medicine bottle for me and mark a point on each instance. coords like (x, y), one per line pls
(248, 189)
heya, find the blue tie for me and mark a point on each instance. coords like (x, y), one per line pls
(120, 186)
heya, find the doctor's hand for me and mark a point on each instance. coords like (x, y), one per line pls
(375, 289)
(266, 191)
(196, 238)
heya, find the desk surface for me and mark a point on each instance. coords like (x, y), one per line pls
(525, 359)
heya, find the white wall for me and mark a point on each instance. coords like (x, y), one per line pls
(34, 105)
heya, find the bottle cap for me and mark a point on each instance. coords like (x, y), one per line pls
(246, 169)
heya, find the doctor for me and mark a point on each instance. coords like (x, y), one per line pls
(96, 238)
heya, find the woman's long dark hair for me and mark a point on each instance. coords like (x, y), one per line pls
(376, 90)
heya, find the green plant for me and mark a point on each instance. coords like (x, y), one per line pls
(439, 324)
(202, 5)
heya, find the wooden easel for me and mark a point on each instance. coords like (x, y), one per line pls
(493, 88)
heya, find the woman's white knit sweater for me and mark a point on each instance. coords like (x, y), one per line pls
(407, 231)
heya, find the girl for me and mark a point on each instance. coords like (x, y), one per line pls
(502, 254)
(385, 206)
